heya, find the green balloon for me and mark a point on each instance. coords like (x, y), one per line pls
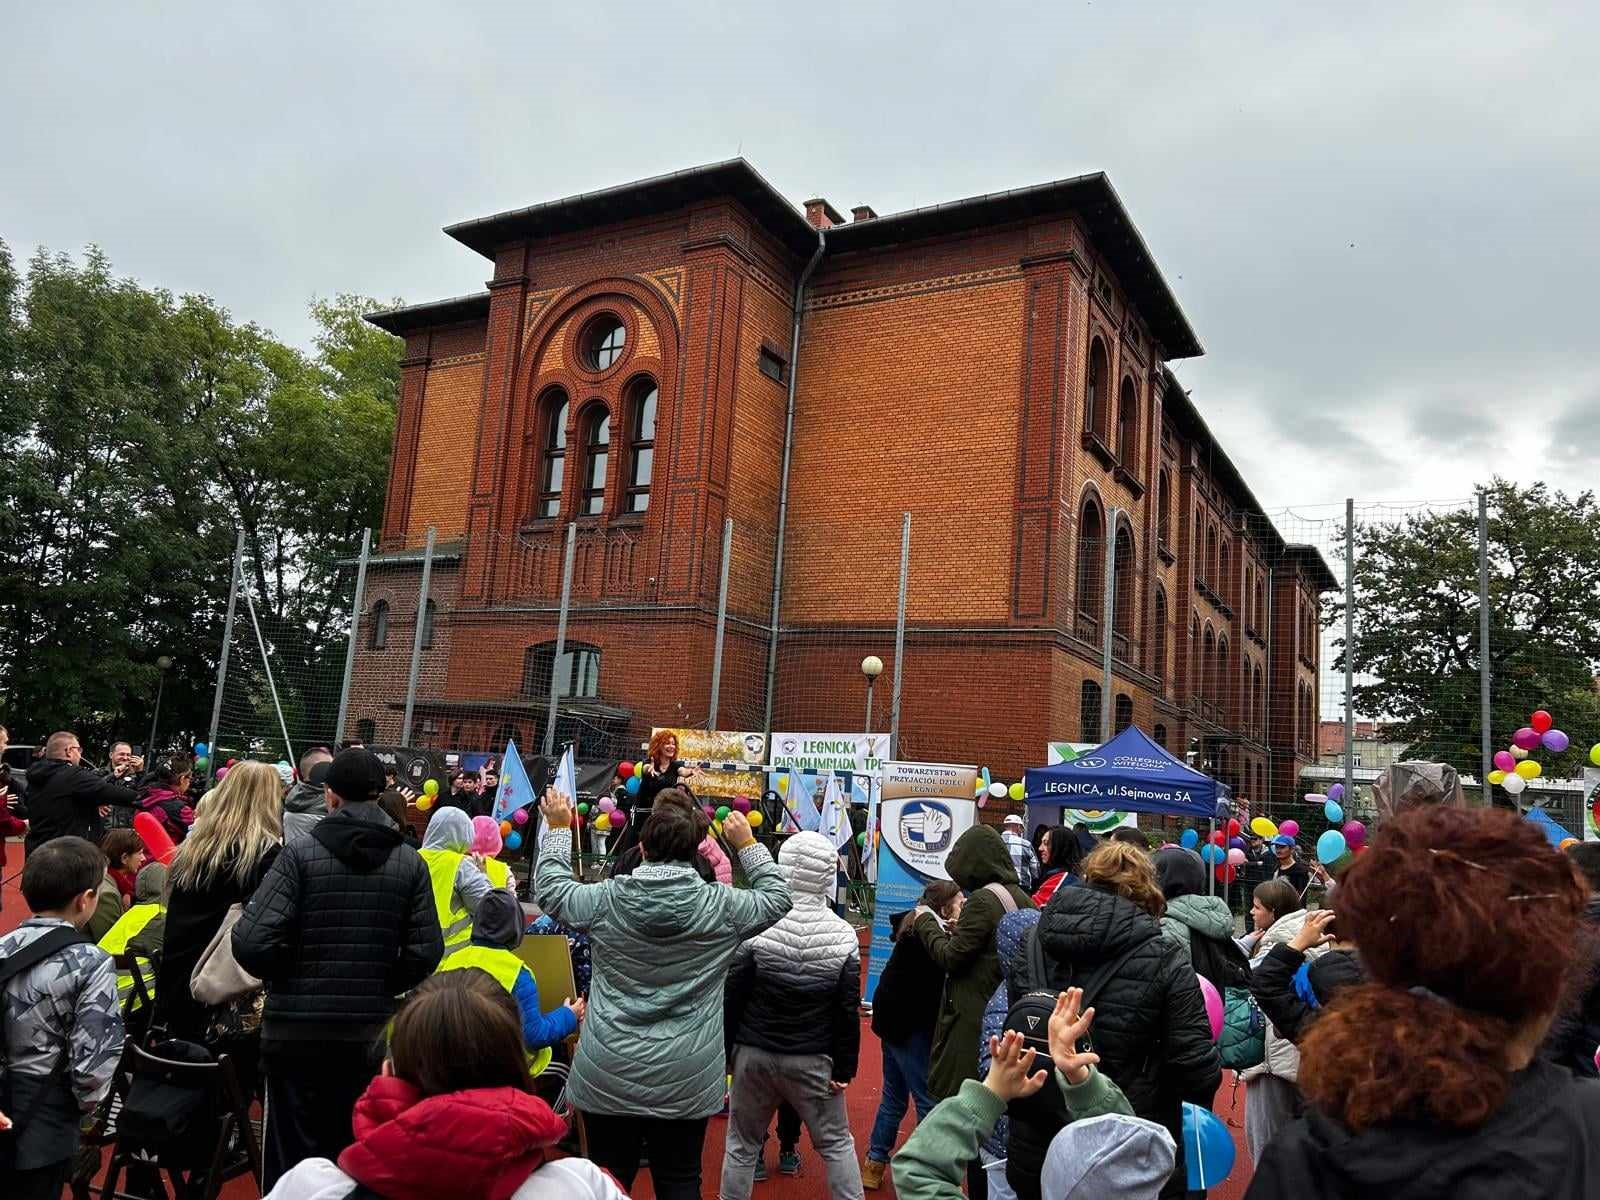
(722, 812)
(583, 810)
(202, 763)
(861, 840)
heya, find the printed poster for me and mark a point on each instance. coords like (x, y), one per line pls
(1099, 821)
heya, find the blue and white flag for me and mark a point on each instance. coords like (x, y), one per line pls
(515, 789)
(833, 822)
(565, 782)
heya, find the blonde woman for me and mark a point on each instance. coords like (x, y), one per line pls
(237, 833)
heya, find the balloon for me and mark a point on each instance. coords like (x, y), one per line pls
(625, 770)
(741, 804)
(430, 787)
(1315, 798)
(1565, 842)
(1191, 839)
(783, 784)
(1017, 792)
(1503, 761)
(514, 841)
(222, 773)
(861, 840)
(1497, 777)
(520, 817)
(1540, 721)
(638, 767)
(722, 812)
(708, 810)
(1236, 857)
(1236, 843)
(1262, 827)
(1213, 1005)
(1290, 828)
(1518, 753)
(997, 790)
(632, 786)
(1336, 792)
(1594, 754)
(1333, 812)
(202, 763)
(1213, 854)
(607, 804)
(1233, 828)
(200, 749)
(505, 828)
(1555, 741)
(1330, 847)
(602, 823)
(716, 828)
(1529, 769)
(756, 818)
(1514, 784)
(231, 761)
(583, 809)
(1355, 834)
(1219, 838)
(156, 842)
(424, 803)
(1526, 738)
(1225, 873)
(983, 799)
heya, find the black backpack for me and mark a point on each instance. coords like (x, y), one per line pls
(1029, 1015)
(48, 945)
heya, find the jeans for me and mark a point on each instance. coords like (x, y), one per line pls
(674, 1149)
(760, 1080)
(905, 1078)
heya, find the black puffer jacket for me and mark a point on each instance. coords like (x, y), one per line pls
(1576, 1032)
(1283, 1003)
(343, 923)
(1150, 1026)
(64, 799)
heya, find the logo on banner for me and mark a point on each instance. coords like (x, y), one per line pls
(1091, 764)
(926, 827)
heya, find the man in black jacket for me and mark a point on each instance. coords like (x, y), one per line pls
(343, 924)
(65, 798)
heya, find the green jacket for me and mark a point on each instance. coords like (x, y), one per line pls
(661, 940)
(933, 1162)
(967, 955)
(1209, 914)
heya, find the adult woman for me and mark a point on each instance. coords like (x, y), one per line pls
(236, 836)
(167, 796)
(1272, 1092)
(662, 770)
(1151, 1029)
(1201, 924)
(1060, 853)
(649, 1070)
(1425, 1082)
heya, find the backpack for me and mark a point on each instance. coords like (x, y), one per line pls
(1029, 1015)
(48, 945)
(1243, 1043)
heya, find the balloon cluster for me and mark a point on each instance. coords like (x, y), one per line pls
(202, 756)
(430, 795)
(988, 790)
(1513, 769)
(1347, 837)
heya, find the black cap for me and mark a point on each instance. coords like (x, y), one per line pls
(356, 775)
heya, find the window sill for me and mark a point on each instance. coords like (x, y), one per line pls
(1128, 480)
(1164, 552)
(1096, 447)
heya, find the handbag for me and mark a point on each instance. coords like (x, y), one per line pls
(217, 978)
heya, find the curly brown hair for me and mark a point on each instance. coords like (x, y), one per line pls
(658, 739)
(1467, 922)
(1126, 871)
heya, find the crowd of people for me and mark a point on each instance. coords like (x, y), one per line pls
(1050, 1012)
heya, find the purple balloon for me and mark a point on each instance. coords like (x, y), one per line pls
(1525, 737)
(1355, 834)
(1555, 741)
(1336, 792)
(1237, 844)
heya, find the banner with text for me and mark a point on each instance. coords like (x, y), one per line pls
(1099, 821)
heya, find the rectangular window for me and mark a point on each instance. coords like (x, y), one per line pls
(772, 365)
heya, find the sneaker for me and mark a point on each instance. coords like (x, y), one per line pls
(761, 1169)
(788, 1162)
(872, 1174)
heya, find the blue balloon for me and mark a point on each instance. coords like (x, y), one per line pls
(632, 785)
(1330, 847)
(1189, 840)
(1213, 854)
(1333, 812)
(200, 749)
(1208, 1151)
(513, 841)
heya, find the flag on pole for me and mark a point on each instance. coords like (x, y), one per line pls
(800, 802)
(565, 782)
(833, 823)
(515, 789)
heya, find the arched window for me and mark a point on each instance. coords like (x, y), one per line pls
(1224, 681)
(1255, 700)
(1089, 712)
(1125, 573)
(1261, 602)
(553, 473)
(1091, 560)
(1124, 712)
(1213, 575)
(378, 634)
(1196, 563)
(1224, 573)
(1096, 397)
(1164, 507)
(427, 625)
(577, 671)
(1194, 680)
(1158, 636)
(641, 444)
(596, 443)
(1159, 736)
(1208, 666)
(1127, 425)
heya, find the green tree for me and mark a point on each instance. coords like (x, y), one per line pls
(1417, 612)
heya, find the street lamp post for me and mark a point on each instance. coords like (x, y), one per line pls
(871, 667)
(164, 664)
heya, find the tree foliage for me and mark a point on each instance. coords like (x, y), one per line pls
(1417, 610)
(138, 432)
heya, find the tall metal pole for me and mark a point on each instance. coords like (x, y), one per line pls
(1349, 648)
(350, 648)
(161, 683)
(1108, 615)
(899, 638)
(416, 638)
(1485, 667)
(722, 623)
(227, 643)
(561, 637)
(869, 705)
(266, 665)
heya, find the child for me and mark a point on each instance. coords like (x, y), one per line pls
(459, 883)
(167, 797)
(1102, 1152)
(486, 844)
(453, 1112)
(141, 929)
(124, 850)
(62, 1026)
(11, 825)
(496, 934)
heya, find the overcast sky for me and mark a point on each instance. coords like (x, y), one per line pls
(1380, 218)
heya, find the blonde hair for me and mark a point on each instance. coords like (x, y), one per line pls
(235, 825)
(1125, 871)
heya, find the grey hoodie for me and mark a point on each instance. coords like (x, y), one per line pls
(303, 806)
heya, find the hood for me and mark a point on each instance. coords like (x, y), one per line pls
(46, 769)
(484, 1142)
(1086, 925)
(152, 881)
(1009, 933)
(499, 920)
(450, 829)
(1180, 872)
(305, 797)
(1208, 916)
(1112, 1155)
(665, 899)
(358, 835)
(810, 863)
(978, 859)
(160, 792)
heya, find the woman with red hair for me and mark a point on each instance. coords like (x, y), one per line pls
(1424, 1082)
(662, 770)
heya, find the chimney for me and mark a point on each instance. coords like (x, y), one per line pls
(822, 215)
(862, 212)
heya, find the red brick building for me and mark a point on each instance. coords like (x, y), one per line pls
(995, 366)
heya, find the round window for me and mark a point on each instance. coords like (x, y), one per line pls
(602, 342)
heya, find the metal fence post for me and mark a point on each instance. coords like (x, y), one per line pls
(227, 644)
(266, 666)
(561, 637)
(1349, 647)
(900, 637)
(1108, 616)
(1485, 667)
(416, 638)
(350, 650)
(722, 622)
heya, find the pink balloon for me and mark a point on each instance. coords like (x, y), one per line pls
(1526, 738)
(607, 804)
(1355, 834)
(1213, 1006)
(1504, 761)
(222, 773)
(520, 816)
(741, 804)
(1236, 857)
(1290, 828)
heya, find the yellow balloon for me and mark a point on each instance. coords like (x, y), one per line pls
(716, 828)
(424, 802)
(783, 784)
(755, 818)
(1262, 827)
(1497, 777)
(603, 822)
(1018, 791)
(1529, 769)
(638, 767)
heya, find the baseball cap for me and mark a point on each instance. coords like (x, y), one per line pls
(1283, 839)
(1013, 819)
(355, 775)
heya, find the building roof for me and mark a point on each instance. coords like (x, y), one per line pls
(401, 321)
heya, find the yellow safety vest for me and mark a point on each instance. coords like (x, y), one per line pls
(499, 873)
(129, 925)
(504, 967)
(455, 922)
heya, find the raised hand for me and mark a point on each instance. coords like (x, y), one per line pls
(1010, 1064)
(1067, 1025)
(736, 828)
(1314, 932)
(557, 809)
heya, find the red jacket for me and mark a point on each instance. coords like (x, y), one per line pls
(482, 1143)
(10, 826)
